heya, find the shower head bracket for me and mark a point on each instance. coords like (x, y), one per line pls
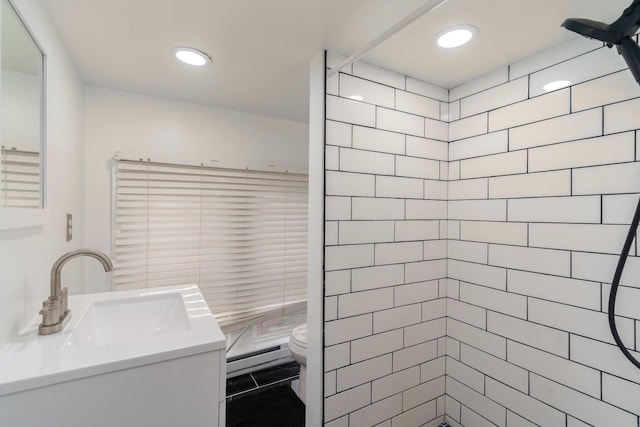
(611, 34)
(618, 33)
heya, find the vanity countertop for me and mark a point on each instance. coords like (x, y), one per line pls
(111, 331)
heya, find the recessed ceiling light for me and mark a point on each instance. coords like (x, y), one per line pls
(356, 97)
(191, 56)
(555, 85)
(455, 36)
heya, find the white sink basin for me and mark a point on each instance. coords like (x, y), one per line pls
(111, 331)
(129, 321)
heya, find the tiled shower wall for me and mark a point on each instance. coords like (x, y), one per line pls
(516, 223)
(385, 250)
(542, 187)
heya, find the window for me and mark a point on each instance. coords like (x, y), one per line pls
(241, 235)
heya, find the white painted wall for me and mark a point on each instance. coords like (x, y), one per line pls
(26, 254)
(169, 131)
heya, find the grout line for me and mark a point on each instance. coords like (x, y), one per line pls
(351, 129)
(570, 263)
(571, 182)
(601, 209)
(375, 119)
(570, 99)
(601, 385)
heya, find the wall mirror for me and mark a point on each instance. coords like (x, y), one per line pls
(22, 122)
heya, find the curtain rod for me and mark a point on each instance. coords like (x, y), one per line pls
(419, 12)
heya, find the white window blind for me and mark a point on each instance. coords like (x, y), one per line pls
(20, 178)
(240, 234)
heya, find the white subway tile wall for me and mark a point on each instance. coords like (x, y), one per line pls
(469, 259)
(538, 241)
(498, 96)
(577, 70)
(386, 193)
(610, 89)
(552, 56)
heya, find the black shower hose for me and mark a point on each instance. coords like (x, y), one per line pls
(616, 281)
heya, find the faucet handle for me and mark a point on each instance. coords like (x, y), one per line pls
(49, 311)
(64, 301)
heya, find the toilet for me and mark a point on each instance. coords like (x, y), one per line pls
(298, 347)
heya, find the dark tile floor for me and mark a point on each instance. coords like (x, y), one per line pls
(265, 398)
(253, 382)
(274, 407)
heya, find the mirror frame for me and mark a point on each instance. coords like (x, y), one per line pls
(11, 218)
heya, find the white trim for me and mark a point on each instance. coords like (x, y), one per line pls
(315, 281)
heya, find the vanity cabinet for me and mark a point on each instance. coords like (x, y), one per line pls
(144, 358)
(186, 391)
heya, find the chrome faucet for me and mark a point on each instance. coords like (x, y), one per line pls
(55, 310)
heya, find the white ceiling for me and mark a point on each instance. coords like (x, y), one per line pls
(261, 48)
